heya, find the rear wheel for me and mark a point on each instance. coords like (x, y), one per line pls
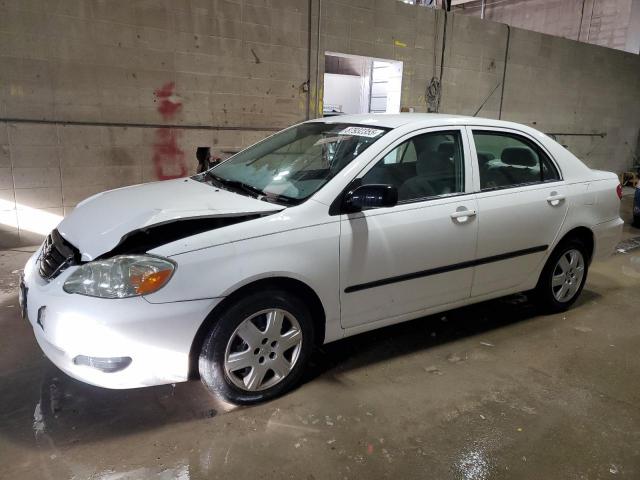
(258, 348)
(563, 276)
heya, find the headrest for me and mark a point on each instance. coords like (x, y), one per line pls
(447, 148)
(518, 156)
(484, 158)
(431, 163)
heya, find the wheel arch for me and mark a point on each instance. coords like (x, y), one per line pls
(292, 285)
(582, 233)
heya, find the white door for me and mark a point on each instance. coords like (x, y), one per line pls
(521, 208)
(397, 261)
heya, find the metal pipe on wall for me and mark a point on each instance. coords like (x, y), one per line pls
(137, 125)
(308, 85)
(318, 110)
(581, 19)
(444, 45)
(504, 70)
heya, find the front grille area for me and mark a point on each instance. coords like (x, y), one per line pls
(56, 255)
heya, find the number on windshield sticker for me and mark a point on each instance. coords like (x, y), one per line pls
(361, 132)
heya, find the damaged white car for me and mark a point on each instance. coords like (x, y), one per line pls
(327, 229)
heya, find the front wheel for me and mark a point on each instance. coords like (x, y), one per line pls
(563, 276)
(258, 347)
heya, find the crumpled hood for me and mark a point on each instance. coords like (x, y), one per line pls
(98, 223)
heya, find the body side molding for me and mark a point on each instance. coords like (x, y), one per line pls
(445, 269)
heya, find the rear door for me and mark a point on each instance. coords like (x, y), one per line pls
(521, 207)
(400, 260)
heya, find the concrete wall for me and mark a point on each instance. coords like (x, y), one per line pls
(105, 76)
(600, 22)
(235, 66)
(557, 85)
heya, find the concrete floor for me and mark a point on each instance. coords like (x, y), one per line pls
(489, 391)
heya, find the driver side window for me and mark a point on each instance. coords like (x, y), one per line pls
(426, 165)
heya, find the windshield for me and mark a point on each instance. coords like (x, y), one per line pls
(295, 163)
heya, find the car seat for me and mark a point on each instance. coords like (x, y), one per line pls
(435, 175)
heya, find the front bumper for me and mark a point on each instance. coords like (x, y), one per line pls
(157, 337)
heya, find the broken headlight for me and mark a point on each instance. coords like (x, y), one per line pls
(120, 277)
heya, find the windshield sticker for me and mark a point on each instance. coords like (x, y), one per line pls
(361, 131)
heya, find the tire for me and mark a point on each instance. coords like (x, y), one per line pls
(548, 293)
(636, 221)
(237, 363)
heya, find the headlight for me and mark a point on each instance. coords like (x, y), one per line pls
(120, 277)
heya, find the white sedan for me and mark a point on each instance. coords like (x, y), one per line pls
(327, 229)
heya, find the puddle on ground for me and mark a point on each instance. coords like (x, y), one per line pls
(628, 245)
(633, 268)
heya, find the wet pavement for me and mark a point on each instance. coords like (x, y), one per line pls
(489, 391)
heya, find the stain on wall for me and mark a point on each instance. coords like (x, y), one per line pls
(168, 158)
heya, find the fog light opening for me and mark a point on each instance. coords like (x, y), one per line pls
(104, 364)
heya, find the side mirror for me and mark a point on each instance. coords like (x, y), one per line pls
(370, 196)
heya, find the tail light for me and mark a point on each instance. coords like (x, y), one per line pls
(619, 191)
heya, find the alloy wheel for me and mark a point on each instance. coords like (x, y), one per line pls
(263, 350)
(567, 275)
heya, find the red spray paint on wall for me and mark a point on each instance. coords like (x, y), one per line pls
(168, 158)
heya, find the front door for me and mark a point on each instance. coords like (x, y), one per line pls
(396, 262)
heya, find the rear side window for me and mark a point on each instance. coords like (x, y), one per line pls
(508, 160)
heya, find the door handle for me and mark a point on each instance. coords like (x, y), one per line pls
(555, 199)
(462, 216)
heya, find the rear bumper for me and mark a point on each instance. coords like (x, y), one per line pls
(607, 235)
(157, 337)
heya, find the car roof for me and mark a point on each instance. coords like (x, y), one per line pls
(395, 120)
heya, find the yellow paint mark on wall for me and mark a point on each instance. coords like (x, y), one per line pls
(398, 43)
(16, 91)
(320, 111)
(316, 101)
